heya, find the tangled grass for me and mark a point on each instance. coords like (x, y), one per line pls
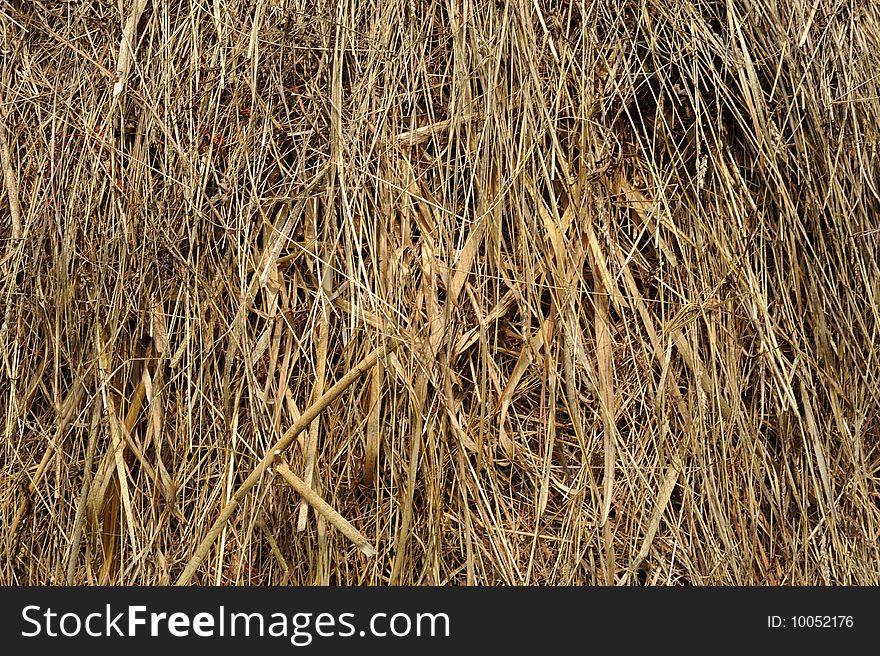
(619, 258)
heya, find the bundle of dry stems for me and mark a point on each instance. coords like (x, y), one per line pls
(440, 292)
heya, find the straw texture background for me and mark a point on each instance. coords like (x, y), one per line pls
(619, 260)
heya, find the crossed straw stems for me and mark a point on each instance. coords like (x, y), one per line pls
(298, 484)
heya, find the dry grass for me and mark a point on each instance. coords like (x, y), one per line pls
(627, 252)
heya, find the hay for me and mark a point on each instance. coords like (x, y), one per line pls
(627, 250)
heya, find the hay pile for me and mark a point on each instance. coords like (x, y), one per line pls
(620, 259)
